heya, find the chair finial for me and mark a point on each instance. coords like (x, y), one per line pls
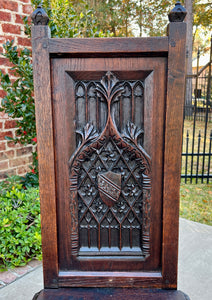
(178, 13)
(39, 16)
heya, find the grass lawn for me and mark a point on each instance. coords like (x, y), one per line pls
(196, 202)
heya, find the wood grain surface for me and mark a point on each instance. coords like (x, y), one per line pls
(44, 127)
(105, 46)
(172, 151)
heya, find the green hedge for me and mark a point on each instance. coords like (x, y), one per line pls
(20, 230)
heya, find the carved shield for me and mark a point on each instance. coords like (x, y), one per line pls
(109, 185)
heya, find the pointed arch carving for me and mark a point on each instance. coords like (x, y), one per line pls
(110, 172)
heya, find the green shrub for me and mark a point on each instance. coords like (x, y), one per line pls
(30, 180)
(19, 226)
(9, 183)
(18, 102)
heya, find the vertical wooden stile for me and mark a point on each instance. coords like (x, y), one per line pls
(44, 125)
(172, 155)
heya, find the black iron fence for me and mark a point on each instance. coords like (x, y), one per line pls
(197, 131)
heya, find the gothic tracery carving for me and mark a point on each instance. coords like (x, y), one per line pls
(110, 173)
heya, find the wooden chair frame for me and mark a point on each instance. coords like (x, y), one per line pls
(172, 48)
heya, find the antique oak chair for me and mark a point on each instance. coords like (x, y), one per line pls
(109, 116)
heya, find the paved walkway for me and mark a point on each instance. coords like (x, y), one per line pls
(12, 275)
(195, 260)
(195, 267)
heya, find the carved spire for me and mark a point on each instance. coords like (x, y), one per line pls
(39, 16)
(178, 13)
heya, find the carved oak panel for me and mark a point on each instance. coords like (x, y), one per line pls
(110, 172)
(109, 207)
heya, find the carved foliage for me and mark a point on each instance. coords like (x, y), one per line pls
(110, 181)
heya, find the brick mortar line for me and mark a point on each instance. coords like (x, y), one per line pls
(13, 13)
(13, 35)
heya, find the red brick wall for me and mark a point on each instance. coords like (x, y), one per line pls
(14, 159)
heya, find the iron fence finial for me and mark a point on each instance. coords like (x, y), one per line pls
(198, 53)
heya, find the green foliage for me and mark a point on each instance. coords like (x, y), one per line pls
(202, 14)
(19, 226)
(30, 180)
(144, 17)
(66, 22)
(9, 183)
(120, 17)
(112, 17)
(24, 182)
(152, 16)
(68, 19)
(202, 25)
(18, 102)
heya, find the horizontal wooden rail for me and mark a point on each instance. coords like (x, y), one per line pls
(111, 279)
(110, 45)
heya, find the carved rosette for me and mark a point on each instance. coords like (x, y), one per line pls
(110, 182)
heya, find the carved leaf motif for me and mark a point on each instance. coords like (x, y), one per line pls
(109, 81)
(88, 130)
(110, 86)
(88, 133)
(132, 132)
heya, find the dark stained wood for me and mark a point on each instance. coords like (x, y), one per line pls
(89, 117)
(172, 148)
(156, 75)
(39, 16)
(44, 125)
(110, 293)
(109, 46)
(110, 279)
(64, 144)
(178, 13)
